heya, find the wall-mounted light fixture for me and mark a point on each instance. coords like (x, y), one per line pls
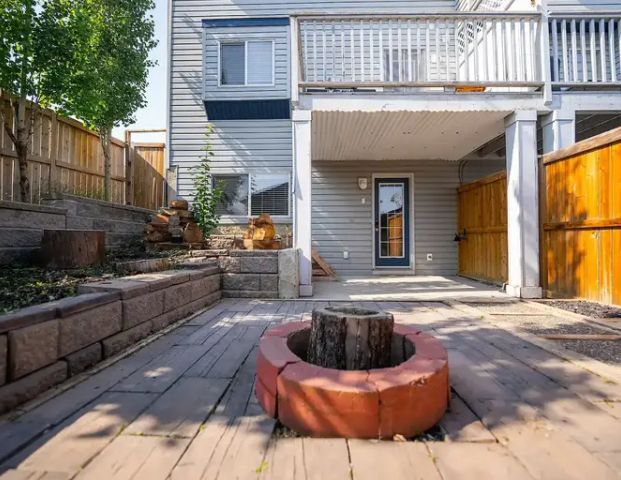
(363, 183)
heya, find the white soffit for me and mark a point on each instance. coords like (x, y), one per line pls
(402, 135)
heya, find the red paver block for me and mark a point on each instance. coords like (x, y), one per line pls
(405, 330)
(413, 396)
(268, 401)
(273, 356)
(287, 329)
(328, 403)
(428, 347)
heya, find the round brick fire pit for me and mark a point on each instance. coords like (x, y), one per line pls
(406, 399)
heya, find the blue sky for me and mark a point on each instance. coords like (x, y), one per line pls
(154, 114)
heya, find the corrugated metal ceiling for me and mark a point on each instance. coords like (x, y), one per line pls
(403, 135)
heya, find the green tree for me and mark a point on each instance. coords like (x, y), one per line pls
(208, 195)
(35, 56)
(114, 39)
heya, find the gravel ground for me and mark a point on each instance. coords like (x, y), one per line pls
(533, 319)
(588, 309)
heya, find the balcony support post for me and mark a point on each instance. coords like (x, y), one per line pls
(523, 205)
(302, 198)
(559, 130)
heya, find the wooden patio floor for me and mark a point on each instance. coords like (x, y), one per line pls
(183, 407)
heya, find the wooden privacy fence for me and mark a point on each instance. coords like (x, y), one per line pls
(66, 157)
(482, 223)
(581, 220)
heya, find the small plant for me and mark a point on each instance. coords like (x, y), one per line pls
(208, 195)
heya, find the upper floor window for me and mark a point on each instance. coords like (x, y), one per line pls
(247, 63)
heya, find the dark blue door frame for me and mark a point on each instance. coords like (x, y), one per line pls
(391, 206)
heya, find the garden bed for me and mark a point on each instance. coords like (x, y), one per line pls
(22, 287)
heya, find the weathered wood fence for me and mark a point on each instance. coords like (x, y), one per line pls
(580, 222)
(483, 229)
(67, 157)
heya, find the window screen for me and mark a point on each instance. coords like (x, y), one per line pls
(235, 194)
(259, 63)
(232, 64)
(270, 194)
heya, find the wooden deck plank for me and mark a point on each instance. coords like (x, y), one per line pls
(326, 459)
(476, 461)
(181, 410)
(216, 328)
(284, 460)
(70, 446)
(208, 448)
(130, 457)
(160, 373)
(462, 425)
(371, 460)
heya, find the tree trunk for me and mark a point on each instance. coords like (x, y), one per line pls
(105, 136)
(21, 140)
(73, 248)
(349, 338)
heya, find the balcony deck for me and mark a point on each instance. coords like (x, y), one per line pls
(460, 52)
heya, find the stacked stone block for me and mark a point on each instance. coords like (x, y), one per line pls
(43, 345)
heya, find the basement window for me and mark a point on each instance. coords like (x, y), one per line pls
(251, 195)
(247, 63)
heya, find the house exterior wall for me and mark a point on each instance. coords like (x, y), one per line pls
(214, 36)
(341, 222)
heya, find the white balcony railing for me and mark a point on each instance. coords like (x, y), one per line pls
(585, 50)
(453, 50)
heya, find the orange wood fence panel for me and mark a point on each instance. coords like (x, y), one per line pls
(482, 226)
(581, 220)
(148, 175)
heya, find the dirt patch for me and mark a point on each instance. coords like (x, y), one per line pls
(588, 309)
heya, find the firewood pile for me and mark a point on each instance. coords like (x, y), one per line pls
(174, 225)
(260, 235)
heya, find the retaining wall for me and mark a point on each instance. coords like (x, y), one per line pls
(42, 346)
(259, 273)
(22, 224)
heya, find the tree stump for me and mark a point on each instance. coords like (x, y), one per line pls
(350, 338)
(73, 248)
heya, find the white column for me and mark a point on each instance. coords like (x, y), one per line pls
(302, 198)
(523, 204)
(559, 130)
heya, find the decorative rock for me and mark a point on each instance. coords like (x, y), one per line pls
(29, 387)
(117, 343)
(84, 359)
(288, 274)
(31, 348)
(86, 328)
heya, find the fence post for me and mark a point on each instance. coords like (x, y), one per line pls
(54, 143)
(543, 255)
(129, 170)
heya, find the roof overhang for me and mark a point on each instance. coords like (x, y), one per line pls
(403, 135)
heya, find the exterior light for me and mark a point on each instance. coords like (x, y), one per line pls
(363, 183)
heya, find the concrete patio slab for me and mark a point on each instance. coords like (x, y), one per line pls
(404, 288)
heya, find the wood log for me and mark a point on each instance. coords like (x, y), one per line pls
(350, 338)
(73, 248)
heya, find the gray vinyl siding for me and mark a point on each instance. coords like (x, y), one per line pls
(340, 221)
(280, 37)
(583, 5)
(240, 146)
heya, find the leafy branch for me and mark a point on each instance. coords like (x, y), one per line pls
(208, 195)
